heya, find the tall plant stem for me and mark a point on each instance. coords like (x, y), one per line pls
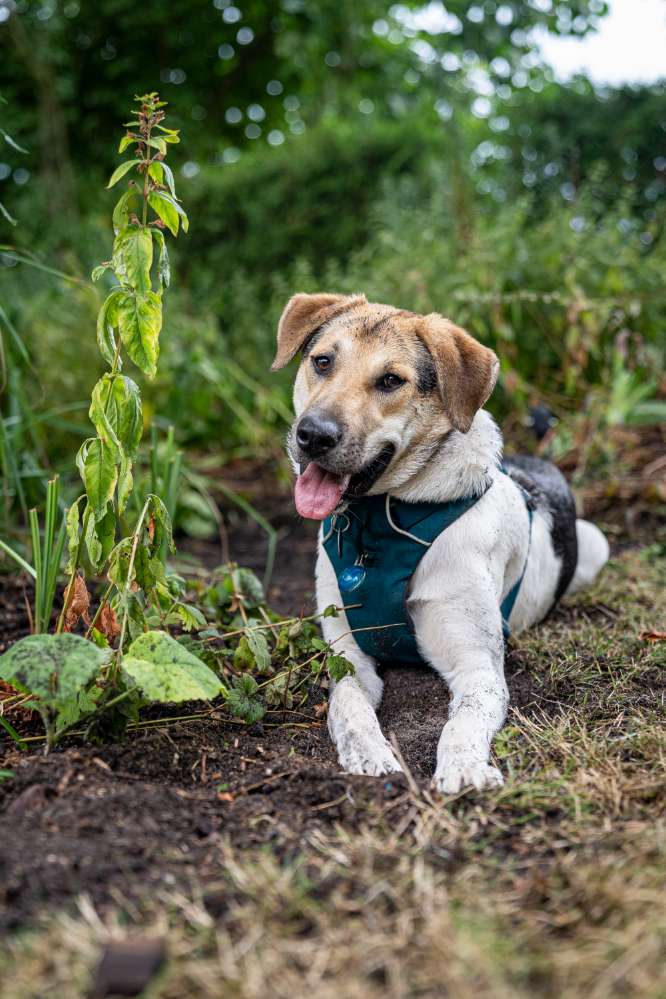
(146, 177)
(128, 584)
(102, 604)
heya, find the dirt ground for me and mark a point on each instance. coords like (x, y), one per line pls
(211, 817)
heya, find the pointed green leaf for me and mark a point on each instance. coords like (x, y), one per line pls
(166, 672)
(106, 323)
(125, 482)
(100, 537)
(162, 195)
(99, 475)
(133, 257)
(339, 667)
(161, 521)
(119, 560)
(5, 214)
(168, 176)
(123, 411)
(121, 212)
(164, 207)
(98, 415)
(156, 172)
(126, 141)
(188, 615)
(148, 569)
(259, 645)
(158, 144)
(12, 142)
(140, 322)
(72, 527)
(120, 172)
(98, 271)
(163, 269)
(105, 531)
(93, 544)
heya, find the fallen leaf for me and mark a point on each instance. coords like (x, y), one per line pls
(654, 636)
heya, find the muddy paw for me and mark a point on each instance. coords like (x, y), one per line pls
(368, 757)
(455, 774)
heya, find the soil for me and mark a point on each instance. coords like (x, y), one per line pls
(125, 820)
(131, 820)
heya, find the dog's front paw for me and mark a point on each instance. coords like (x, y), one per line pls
(373, 757)
(456, 772)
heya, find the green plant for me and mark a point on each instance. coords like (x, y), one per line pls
(130, 318)
(66, 675)
(256, 660)
(631, 398)
(47, 549)
(127, 659)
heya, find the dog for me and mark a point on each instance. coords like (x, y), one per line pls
(390, 441)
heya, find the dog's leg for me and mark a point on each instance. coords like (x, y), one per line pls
(467, 649)
(352, 722)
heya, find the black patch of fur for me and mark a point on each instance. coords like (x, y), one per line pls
(311, 341)
(426, 373)
(543, 481)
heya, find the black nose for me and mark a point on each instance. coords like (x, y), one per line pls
(317, 434)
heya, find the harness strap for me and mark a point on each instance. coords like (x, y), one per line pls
(511, 597)
(399, 530)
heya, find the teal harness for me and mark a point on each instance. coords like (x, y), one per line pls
(375, 545)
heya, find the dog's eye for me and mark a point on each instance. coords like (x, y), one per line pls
(322, 363)
(390, 382)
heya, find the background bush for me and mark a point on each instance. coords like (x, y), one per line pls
(435, 170)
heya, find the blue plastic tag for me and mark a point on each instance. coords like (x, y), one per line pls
(351, 578)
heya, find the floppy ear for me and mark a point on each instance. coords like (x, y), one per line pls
(303, 315)
(466, 370)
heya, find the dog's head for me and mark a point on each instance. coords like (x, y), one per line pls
(377, 390)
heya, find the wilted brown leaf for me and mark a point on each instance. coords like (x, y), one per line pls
(77, 604)
(108, 623)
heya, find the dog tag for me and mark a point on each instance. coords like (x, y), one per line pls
(351, 578)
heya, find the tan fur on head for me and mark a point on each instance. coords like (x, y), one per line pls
(302, 316)
(466, 370)
(384, 377)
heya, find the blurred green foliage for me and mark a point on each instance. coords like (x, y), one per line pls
(419, 153)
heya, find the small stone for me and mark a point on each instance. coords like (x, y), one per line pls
(127, 966)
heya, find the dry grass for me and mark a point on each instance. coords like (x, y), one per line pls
(553, 886)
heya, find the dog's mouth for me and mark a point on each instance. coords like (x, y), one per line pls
(318, 492)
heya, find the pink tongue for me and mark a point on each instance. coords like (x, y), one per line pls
(318, 492)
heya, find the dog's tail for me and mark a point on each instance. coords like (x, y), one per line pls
(593, 553)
